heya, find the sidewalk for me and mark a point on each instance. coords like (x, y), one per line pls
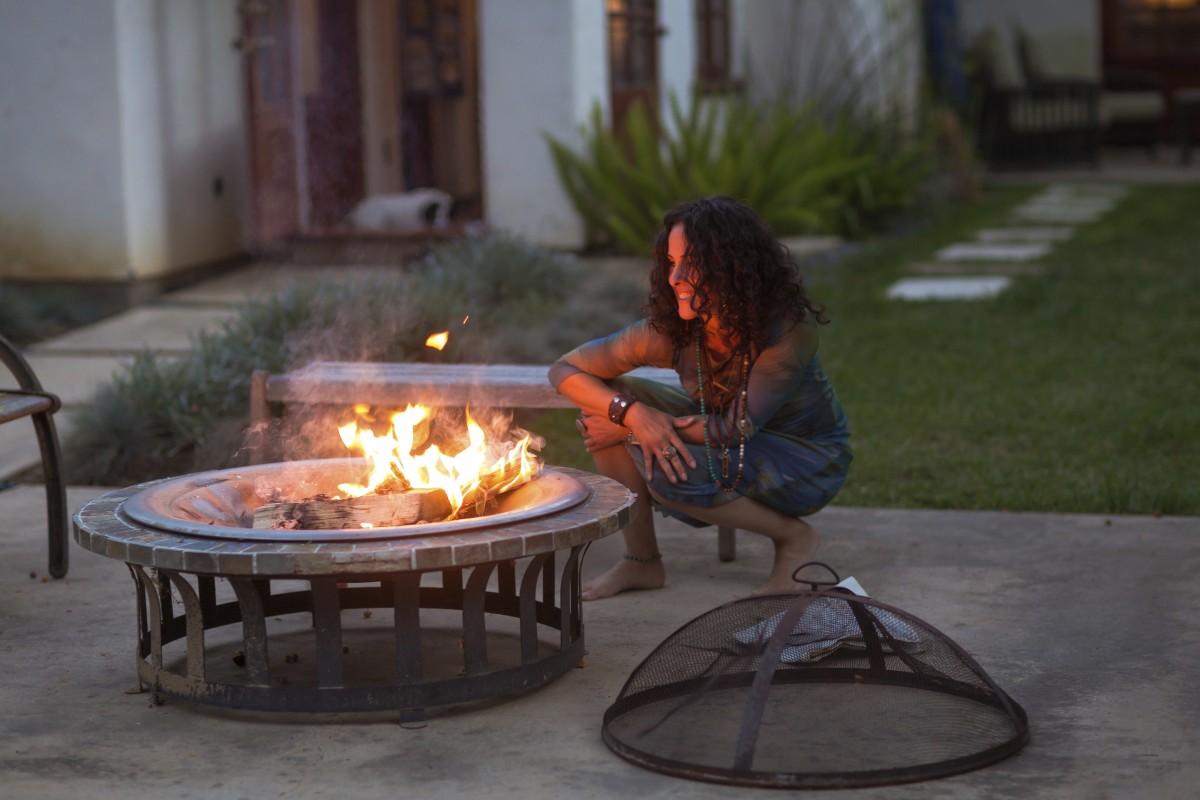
(1088, 621)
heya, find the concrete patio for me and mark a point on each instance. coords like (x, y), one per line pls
(1088, 621)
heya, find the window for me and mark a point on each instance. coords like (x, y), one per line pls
(713, 70)
(632, 43)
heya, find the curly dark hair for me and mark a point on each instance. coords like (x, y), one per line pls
(744, 272)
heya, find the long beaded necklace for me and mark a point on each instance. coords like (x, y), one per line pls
(739, 414)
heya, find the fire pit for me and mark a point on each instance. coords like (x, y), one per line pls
(221, 504)
(448, 612)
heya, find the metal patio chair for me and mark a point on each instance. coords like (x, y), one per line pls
(30, 400)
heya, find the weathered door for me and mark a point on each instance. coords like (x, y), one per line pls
(333, 119)
(265, 44)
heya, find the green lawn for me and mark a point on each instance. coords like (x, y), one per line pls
(1074, 391)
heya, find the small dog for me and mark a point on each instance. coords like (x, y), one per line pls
(407, 212)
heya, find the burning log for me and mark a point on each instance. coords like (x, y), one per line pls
(491, 486)
(394, 508)
(369, 511)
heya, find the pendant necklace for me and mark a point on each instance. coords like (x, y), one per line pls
(739, 413)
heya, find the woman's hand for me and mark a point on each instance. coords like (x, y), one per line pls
(658, 434)
(599, 433)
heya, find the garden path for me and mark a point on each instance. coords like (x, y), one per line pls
(985, 267)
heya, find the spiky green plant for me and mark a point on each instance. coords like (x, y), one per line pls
(801, 173)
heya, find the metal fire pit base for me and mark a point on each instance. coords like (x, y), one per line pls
(506, 598)
(174, 605)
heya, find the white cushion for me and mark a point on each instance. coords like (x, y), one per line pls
(1131, 107)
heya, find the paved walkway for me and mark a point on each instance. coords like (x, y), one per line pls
(1088, 621)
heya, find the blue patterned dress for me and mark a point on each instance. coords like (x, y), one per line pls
(798, 445)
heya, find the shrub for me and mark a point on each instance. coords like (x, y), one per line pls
(31, 313)
(166, 416)
(801, 173)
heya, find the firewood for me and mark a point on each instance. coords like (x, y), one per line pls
(370, 511)
(476, 502)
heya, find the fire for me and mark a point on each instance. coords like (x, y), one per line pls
(481, 470)
(438, 340)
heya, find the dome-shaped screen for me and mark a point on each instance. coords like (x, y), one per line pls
(822, 689)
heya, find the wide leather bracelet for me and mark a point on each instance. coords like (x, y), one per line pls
(618, 407)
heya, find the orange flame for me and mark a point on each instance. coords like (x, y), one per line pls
(480, 470)
(438, 340)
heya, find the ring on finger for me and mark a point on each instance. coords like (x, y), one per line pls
(581, 425)
(668, 452)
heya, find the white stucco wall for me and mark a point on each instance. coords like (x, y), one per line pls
(117, 118)
(676, 53)
(183, 140)
(546, 87)
(1067, 32)
(61, 209)
(1079, 17)
(864, 55)
(551, 86)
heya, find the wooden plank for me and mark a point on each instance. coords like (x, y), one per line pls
(396, 384)
(726, 543)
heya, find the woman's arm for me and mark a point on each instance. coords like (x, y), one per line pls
(580, 375)
(656, 431)
(774, 377)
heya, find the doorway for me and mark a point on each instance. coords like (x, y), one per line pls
(349, 99)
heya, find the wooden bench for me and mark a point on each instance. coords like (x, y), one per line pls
(458, 385)
(30, 400)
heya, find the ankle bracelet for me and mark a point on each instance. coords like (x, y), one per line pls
(654, 559)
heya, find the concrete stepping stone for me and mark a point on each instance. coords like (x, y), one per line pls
(805, 248)
(1048, 233)
(991, 268)
(975, 251)
(1088, 203)
(959, 288)
(1111, 190)
(1057, 214)
(159, 328)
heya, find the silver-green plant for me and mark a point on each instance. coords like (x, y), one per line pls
(163, 416)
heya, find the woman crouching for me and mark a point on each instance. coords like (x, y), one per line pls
(756, 440)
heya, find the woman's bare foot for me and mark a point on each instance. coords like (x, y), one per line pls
(625, 575)
(793, 547)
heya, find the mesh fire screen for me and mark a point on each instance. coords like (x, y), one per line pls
(822, 689)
